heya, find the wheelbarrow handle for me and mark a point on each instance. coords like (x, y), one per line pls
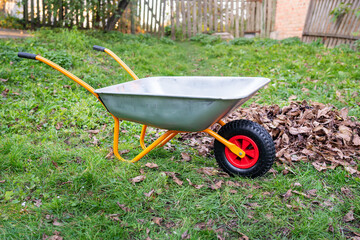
(113, 55)
(27, 55)
(60, 69)
(99, 48)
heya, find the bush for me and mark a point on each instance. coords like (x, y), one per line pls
(206, 39)
(291, 41)
(11, 22)
(242, 41)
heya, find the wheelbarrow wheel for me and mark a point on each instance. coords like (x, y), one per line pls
(254, 140)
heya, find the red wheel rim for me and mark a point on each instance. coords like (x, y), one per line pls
(248, 146)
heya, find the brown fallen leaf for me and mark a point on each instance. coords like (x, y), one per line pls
(55, 164)
(243, 237)
(157, 220)
(3, 80)
(356, 140)
(138, 179)
(233, 191)
(5, 93)
(114, 217)
(301, 193)
(37, 202)
(110, 154)
(2, 181)
(312, 192)
(287, 194)
(124, 151)
(57, 223)
(185, 235)
(59, 125)
(349, 216)
(123, 207)
(176, 180)
(151, 165)
(96, 141)
(56, 236)
(217, 185)
(185, 157)
(95, 131)
(347, 192)
(208, 171)
(149, 193)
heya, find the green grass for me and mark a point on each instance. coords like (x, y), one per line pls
(81, 189)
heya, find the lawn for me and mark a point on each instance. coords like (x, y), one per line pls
(55, 178)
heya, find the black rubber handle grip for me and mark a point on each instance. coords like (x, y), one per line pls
(98, 48)
(27, 55)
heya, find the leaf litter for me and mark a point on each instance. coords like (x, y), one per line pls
(302, 131)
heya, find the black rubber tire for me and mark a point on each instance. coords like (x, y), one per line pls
(256, 133)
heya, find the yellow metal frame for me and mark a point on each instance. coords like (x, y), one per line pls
(162, 140)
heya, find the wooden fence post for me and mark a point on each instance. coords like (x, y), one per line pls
(183, 18)
(32, 14)
(25, 12)
(172, 19)
(237, 19)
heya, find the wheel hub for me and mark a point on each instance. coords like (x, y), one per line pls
(248, 146)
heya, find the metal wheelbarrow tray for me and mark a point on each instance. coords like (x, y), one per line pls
(187, 104)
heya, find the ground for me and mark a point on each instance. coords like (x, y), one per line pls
(58, 178)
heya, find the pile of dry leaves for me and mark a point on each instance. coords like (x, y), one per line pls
(314, 132)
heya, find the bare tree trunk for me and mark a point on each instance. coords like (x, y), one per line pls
(116, 15)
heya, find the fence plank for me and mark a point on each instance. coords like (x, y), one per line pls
(25, 10)
(177, 6)
(211, 13)
(269, 18)
(32, 14)
(49, 14)
(215, 16)
(194, 18)
(221, 8)
(163, 15)
(242, 17)
(205, 15)
(183, 18)
(172, 19)
(237, 19)
(38, 12)
(199, 20)
(226, 9)
(43, 3)
(232, 8)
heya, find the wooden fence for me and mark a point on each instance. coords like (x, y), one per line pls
(178, 18)
(186, 18)
(321, 24)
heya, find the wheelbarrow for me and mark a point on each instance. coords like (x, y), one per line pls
(187, 104)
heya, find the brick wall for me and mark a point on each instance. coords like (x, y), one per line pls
(290, 18)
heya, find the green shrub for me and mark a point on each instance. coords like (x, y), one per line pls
(206, 39)
(291, 41)
(242, 41)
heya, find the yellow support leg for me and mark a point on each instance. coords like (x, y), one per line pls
(142, 136)
(233, 148)
(222, 123)
(171, 136)
(145, 151)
